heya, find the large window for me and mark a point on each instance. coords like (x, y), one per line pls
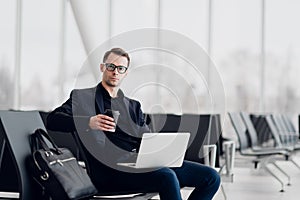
(282, 60)
(190, 19)
(39, 53)
(236, 51)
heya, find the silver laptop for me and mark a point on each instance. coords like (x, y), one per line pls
(161, 150)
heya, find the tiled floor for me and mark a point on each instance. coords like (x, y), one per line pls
(253, 184)
(257, 184)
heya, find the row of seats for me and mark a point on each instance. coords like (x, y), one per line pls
(266, 138)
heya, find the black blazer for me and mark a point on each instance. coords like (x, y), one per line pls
(74, 115)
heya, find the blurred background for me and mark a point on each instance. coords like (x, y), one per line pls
(254, 45)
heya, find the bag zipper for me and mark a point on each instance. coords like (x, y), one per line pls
(62, 161)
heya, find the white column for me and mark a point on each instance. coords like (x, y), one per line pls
(18, 41)
(61, 50)
(85, 29)
(209, 39)
(262, 58)
(157, 53)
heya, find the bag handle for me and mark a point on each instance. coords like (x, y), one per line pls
(38, 140)
(34, 144)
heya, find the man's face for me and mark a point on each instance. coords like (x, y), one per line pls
(114, 78)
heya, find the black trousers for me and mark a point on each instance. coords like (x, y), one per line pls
(166, 181)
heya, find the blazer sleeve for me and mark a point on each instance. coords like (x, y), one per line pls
(62, 118)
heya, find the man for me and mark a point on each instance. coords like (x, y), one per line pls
(84, 112)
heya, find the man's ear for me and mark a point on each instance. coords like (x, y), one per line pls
(102, 67)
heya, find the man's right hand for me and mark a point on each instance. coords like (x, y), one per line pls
(102, 122)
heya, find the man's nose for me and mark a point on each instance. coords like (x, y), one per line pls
(116, 71)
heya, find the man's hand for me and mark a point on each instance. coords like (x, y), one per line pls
(102, 122)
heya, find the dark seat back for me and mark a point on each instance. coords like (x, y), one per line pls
(264, 134)
(8, 180)
(204, 129)
(17, 128)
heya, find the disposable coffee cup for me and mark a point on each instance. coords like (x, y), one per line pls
(114, 114)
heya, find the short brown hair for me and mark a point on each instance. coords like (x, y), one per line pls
(117, 51)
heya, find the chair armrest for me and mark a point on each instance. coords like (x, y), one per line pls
(229, 151)
(209, 153)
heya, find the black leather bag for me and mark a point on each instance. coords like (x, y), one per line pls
(57, 170)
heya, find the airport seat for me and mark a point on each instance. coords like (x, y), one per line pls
(8, 180)
(264, 136)
(289, 125)
(205, 145)
(263, 157)
(17, 127)
(288, 138)
(203, 129)
(252, 134)
(283, 140)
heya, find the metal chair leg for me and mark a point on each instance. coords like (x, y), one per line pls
(296, 164)
(223, 192)
(282, 171)
(276, 177)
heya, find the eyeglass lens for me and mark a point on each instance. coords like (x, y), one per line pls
(112, 67)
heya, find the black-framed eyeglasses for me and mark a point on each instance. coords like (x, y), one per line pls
(111, 67)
